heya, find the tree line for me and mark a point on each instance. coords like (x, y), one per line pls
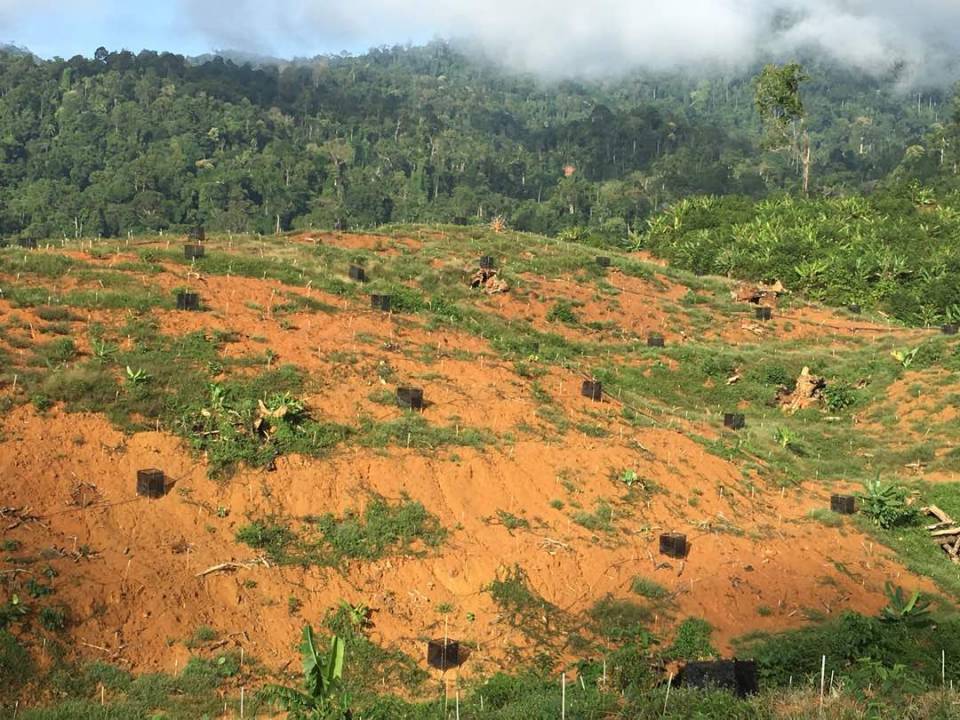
(122, 143)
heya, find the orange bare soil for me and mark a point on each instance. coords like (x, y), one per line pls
(140, 575)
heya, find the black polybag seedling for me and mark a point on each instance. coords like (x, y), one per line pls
(843, 504)
(150, 483)
(734, 421)
(592, 389)
(381, 302)
(410, 398)
(738, 676)
(188, 301)
(357, 273)
(443, 654)
(673, 545)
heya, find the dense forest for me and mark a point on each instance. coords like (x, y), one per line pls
(123, 143)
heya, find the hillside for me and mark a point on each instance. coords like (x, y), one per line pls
(121, 143)
(511, 513)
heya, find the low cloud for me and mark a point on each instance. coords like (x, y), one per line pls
(561, 38)
(605, 37)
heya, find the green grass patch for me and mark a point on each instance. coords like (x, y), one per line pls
(381, 530)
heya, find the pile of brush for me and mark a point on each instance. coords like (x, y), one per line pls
(946, 532)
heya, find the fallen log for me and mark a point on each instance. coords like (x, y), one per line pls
(938, 514)
(949, 532)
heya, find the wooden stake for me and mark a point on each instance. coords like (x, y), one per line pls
(563, 696)
(823, 678)
(666, 699)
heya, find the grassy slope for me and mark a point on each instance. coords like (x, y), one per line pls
(682, 384)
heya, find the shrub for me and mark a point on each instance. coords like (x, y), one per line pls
(203, 634)
(887, 505)
(522, 605)
(16, 665)
(53, 618)
(649, 589)
(54, 313)
(600, 520)
(82, 388)
(692, 641)
(830, 249)
(619, 620)
(857, 648)
(773, 374)
(57, 351)
(269, 535)
(562, 311)
(382, 528)
(838, 396)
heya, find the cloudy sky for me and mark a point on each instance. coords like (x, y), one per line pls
(551, 37)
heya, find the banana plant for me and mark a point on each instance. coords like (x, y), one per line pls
(785, 437)
(905, 357)
(809, 271)
(322, 681)
(912, 609)
(137, 377)
(102, 349)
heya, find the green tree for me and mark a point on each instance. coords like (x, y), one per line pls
(777, 98)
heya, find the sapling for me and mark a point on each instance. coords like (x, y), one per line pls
(137, 377)
(912, 609)
(905, 357)
(785, 437)
(322, 682)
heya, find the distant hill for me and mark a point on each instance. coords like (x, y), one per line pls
(240, 57)
(249, 143)
(11, 49)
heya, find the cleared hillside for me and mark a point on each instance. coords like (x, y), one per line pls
(511, 513)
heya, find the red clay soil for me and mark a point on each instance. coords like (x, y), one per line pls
(140, 588)
(810, 323)
(925, 410)
(138, 593)
(634, 312)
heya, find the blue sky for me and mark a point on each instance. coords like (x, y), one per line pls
(69, 27)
